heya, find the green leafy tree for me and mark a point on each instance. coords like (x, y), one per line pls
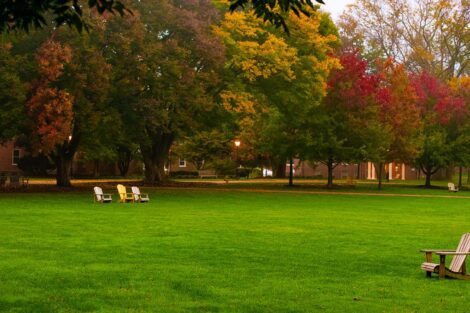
(23, 14)
(169, 72)
(205, 147)
(12, 94)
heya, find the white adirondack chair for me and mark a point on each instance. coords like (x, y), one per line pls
(139, 197)
(101, 197)
(452, 187)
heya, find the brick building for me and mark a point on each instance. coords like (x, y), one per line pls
(9, 157)
(395, 171)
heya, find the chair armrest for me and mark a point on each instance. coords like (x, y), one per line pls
(146, 195)
(129, 193)
(107, 195)
(435, 250)
(451, 253)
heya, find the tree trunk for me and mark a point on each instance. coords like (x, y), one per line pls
(63, 159)
(460, 176)
(330, 166)
(124, 160)
(358, 175)
(428, 172)
(279, 168)
(155, 156)
(64, 166)
(427, 184)
(123, 167)
(154, 170)
(291, 172)
(379, 167)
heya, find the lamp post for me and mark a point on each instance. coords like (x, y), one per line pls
(237, 144)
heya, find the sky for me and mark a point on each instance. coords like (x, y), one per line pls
(335, 7)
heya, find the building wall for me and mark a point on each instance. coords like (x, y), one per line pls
(180, 165)
(6, 157)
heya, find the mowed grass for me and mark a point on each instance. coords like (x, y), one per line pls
(227, 251)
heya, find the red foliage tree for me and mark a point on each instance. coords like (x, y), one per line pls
(440, 112)
(349, 114)
(398, 114)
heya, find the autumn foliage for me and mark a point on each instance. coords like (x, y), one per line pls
(49, 107)
(436, 100)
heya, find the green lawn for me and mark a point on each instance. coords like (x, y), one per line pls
(227, 251)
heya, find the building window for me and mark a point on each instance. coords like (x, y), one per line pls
(182, 163)
(15, 156)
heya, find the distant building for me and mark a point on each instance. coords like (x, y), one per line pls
(10, 154)
(394, 171)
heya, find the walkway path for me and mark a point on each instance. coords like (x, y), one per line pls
(308, 192)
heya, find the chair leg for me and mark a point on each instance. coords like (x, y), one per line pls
(429, 260)
(442, 266)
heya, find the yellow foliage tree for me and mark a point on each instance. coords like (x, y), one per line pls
(275, 76)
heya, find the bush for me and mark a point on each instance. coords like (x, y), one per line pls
(243, 172)
(224, 167)
(35, 166)
(184, 174)
(256, 173)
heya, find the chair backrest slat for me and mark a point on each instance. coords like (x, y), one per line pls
(464, 246)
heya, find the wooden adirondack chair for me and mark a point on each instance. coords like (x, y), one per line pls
(124, 196)
(457, 268)
(139, 197)
(452, 187)
(101, 197)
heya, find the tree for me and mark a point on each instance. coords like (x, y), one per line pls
(172, 82)
(344, 127)
(398, 117)
(460, 88)
(23, 14)
(68, 96)
(439, 111)
(277, 78)
(423, 35)
(49, 107)
(204, 147)
(87, 78)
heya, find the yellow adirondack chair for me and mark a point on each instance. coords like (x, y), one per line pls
(124, 196)
(457, 268)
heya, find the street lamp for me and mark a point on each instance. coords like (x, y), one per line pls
(237, 144)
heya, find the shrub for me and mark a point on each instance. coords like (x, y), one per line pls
(184, 174)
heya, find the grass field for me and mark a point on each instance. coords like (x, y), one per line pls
(227, 251)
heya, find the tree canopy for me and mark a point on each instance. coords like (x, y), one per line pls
(26, 14)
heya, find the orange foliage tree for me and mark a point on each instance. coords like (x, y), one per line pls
(49, 107)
